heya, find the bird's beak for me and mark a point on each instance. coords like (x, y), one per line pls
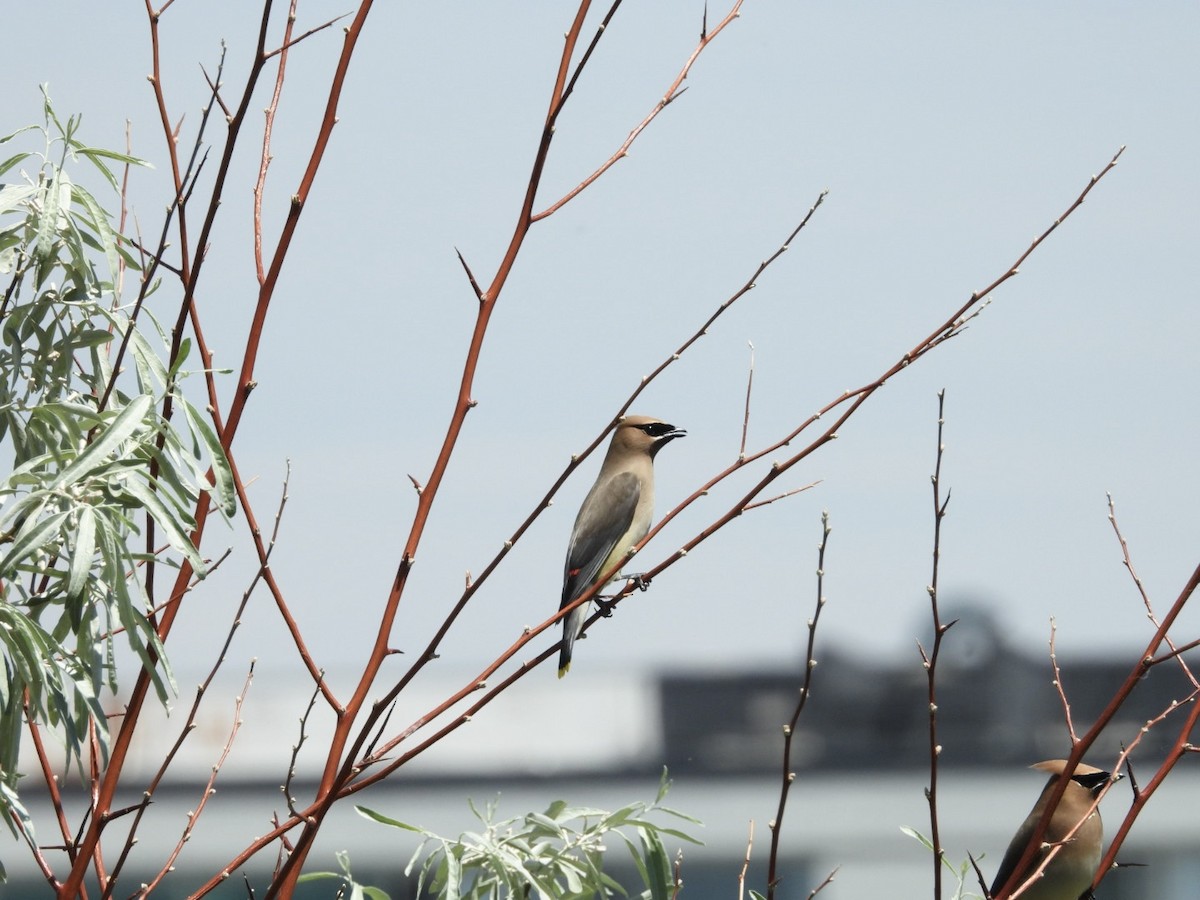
(672, 434)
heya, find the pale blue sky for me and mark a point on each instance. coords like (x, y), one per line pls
(948, 134)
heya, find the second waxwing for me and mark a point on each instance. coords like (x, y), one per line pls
(1069, 874)
(614, 516)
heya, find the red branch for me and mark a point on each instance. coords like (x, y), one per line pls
(1085, 743)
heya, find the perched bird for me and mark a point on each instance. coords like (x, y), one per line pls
(1074, 866)
(614, 516)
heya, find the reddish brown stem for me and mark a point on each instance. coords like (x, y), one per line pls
(672, 93)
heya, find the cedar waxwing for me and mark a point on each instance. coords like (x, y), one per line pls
(614, 516)
(1074, 866)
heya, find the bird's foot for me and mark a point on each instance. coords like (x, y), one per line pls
(640, 580)
(605, 605)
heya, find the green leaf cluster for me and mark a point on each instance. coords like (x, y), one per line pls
(556, 855)
(93, 459)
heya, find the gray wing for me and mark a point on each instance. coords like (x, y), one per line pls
(1013, 854)
(603, 520)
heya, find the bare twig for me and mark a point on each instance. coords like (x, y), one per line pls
(1173, 653)
(189, 723)
(584, 58)
(745, 863)
(677, 881)
(97, 858)
(50, 780)
(1127, 561)
(672, 93)
(1058, 685)
(778, 497)
(930, 660)
(474, 286)
(56, 802)
(290, 42)
(211, 565)
(789, 729)
(215, 87)
(209, 788)
(746, 412)
(286, 787)
(983, 885)
(824, 884)
(265, 157)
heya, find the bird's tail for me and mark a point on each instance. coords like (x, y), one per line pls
(564, 655)
(571, 627)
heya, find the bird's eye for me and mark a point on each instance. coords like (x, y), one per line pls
(656, 429)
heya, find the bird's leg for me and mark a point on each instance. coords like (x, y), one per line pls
(639, 579)
(605, 605)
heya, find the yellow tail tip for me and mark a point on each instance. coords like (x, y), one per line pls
(563, 670)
